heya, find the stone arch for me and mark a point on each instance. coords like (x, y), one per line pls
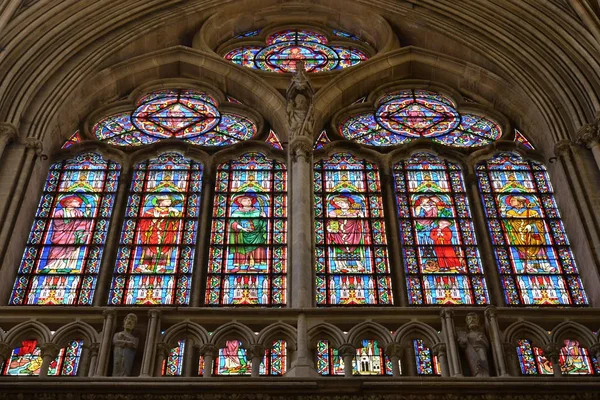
(185, 328)
(234, 151)
(32, 329)
(416, 330)
(75, 330)
(277, 331)
(526, 330)
(573, 330)
(326, 331)
(233, 331)
(369, 329)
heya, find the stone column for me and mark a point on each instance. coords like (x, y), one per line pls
(89, 357)
(162, 354)
(5, 351)
(7, 10)
(209, 352)
(394, 352)
(511, 359)
(108, 331)
(8, 133)
(256, 353)
(188, 358)
(595, 350)
(589, 137)
(393, 233)
(303, 365)
(149, 347)
(495, 337)
(300, 231)
(450, 337)
(484, 241)
(439, 350)
(49, 353)
(347, 352)
(552, 353)
(113, 238)
(204, 236)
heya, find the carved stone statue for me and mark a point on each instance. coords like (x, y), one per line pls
(299, 107)
(124, 347)
(476, 346)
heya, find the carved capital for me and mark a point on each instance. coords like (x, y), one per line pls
(34, 145)
(588, 135)
(491, 312)
(50, 350)
(256, 351)
(595, 349)
(154, 313)
(562, 148)
(300, 147)
(347, 350)
(439, 349)
(8, 132)
(5, 350)
(209, 350)
(109, 313)
(163, 349)
(552, 351)
(93, 349)
(447, 314)
(394, 349)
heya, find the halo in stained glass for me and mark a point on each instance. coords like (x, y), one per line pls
(285, 48)
(188, 115)
(408, 114)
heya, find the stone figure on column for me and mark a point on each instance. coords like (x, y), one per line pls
(124, 347)
(476, 346)
(299, 104)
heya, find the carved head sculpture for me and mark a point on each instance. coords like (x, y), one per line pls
(301, 102)
(473, 322)
(129, 322)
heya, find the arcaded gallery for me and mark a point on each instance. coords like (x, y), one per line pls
(309, 199)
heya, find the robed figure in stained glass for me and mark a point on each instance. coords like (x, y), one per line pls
(345, 230)
(70, 226)
(157, 233)
(525, 229)
(248, 236)
(447, 259)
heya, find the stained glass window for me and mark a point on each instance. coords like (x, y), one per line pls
(173, 365)
(576, 360)
(322, 140)
(441, 258)
(532, 359)
(273, 141)
(62, 258)
(427, 363)
(26, 360)
(248, 253)
(156, 252)
(74, 139)
(285, 48)
(233, 360)
(351, 248)
(248, 34)
(531, 247)
(188, 115)
(520, 138)
(369, 360)
(407, 115)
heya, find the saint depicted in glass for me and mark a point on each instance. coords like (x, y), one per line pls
(531, 247)
(233, 360)
(26, 360)
(64, 250)
(248, 244)
(155, 259)
(440, 252)
(351, 248)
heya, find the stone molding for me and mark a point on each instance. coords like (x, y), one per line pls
(589, 134)
(8, 132)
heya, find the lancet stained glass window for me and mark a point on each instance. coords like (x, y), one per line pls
(426, 362)
(531, 247)
(573, 358)
(439, 247)
(351, 247)
(26, 360)
(156, 253)
(173, 365)
(406, 115)
(285, 48)
(64, 250)
(520, 138)
(188, 115)
(248, 252)
(532, 359)
(369, 360)
(233, 360)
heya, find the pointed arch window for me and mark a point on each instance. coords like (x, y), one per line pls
(442, 262)
(532, 250)
(157, 244)
(26, 360)
(369, 360)
(64, 250)
(233, 360)
(351, 247)
(248, 253)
